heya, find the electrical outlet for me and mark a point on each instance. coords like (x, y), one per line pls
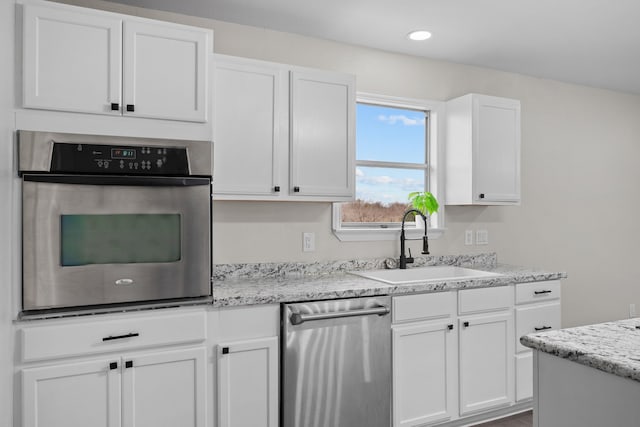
(632, 311)
(482, 237)
(468, 237)
(308, 242)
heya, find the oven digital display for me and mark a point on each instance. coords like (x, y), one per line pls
(123, 153)
(119, 239)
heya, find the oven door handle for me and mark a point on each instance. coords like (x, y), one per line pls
(134, 181)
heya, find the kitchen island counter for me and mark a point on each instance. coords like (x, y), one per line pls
(587, 376)
(612, 347)
(251, 284)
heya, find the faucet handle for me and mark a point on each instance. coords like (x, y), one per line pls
(425, 246)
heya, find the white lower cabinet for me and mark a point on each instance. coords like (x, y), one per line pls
(423, 373)
(248, 383)
(246, 355)
(146, 369)
(424, 359)
(72, 395)
(486, 362)
(537, 309)
(158, 389)
(456, 354)
(524, 376)
(166, 388)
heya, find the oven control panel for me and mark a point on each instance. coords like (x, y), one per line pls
(119, 159)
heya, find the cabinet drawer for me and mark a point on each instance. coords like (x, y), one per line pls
(423, 306)
(536, 318)
(538, 291)
(524, 376)
(484, 299)
(84, 337)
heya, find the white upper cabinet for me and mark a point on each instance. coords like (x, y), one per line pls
(282, 132)
(250, 120)
(72, 60)
(88, 61)
(165, 69)
(322, 133)
(483, 151)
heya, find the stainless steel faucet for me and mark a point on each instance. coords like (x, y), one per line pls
(404, 260)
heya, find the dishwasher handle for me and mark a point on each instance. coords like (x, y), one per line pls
(298, 318)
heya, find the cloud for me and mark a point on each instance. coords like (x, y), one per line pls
(406, 184)
(401, 118)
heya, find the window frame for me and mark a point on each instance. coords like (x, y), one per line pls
(434, 175)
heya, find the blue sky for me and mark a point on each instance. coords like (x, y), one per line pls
(391, 135)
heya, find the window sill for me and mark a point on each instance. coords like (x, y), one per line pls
(381, 234)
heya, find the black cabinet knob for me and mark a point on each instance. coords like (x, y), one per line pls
(113, 365)
(466, 324)
(115, 106)
(296, 189)
(482, 195)
(131, 107)
(128, 364)
(225, 350)
(450, 327)
(276, 188)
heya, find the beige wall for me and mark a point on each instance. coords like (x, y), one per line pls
(579, 152)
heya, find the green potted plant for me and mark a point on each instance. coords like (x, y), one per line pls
(425, 202)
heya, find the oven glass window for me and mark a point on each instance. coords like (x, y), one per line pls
(120, 239)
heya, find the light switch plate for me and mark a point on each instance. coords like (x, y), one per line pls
(482, 237)
(308, 242)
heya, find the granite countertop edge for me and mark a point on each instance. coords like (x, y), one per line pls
(610, 347)
(280, 284)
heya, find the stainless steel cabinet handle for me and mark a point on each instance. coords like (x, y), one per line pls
(297, 318)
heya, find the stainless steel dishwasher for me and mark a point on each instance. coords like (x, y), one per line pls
(336, 363)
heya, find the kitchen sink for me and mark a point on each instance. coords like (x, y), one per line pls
(438, 273)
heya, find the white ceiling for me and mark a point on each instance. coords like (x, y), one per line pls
(589, 42)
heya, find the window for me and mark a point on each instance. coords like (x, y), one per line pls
(396, 153)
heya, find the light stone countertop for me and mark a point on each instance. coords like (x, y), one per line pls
(272, 283)
(612, 347)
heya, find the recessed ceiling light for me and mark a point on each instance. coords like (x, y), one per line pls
(419, 35)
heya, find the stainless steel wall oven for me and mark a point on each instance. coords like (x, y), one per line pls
(113, 220)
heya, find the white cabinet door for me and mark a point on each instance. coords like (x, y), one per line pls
(72, 60)
(524, 376)
(248, 383)
(250, 135)
(165, 69)
(72, 395)
(497, 149)
(483, 151)
(424, 366)
(322, 134)
(486, 362)
(164, 389)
